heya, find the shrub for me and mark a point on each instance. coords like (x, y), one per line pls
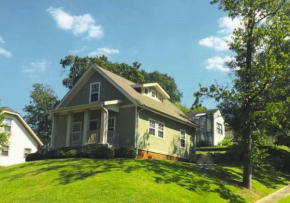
(202, 144)
(49, 154)
(225, 142)
(103, 152)
(86, 152)
(125, 152)
(71, 153)
(34, 157)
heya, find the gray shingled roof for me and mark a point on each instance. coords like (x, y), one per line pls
(207, 112)
(165, 107)
(6, 108)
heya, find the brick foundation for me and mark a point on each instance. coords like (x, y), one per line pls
(151, 155)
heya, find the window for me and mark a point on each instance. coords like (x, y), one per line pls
(76, 131)
(152, 128)
(219, 128)
(159, 96)
(146, 90)
(182, 138)
(111, 124)
(95, 92)
(26, 152)
(161, 130)
(156, 128)
(153, 93)
(5, 150)
(7, 126)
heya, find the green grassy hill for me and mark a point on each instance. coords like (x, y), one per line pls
(127, 180)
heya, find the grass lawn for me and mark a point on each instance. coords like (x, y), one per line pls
(129, 180)
(285, 200)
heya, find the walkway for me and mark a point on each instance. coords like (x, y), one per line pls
(274, 197)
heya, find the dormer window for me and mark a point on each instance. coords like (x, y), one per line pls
(146, 90)
(95, 92)
(153, 93)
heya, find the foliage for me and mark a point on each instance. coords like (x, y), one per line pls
(131, 180)
(78, 65)
(213, 148)
(225, 142)
(125, 152)
(37, 112)
(4, 136)
(34, 157)
(259, 72)
(103, 152)
(182, 108)
(86, 152)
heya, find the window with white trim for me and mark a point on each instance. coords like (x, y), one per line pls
(152, 127)
(161, 127)
(4, 150)
(219, 128)
(95, 92)
(76, 131)
(153, 93)
(146, 91)
(7, 126)
(111, 124)
(26, 152)
(182, 138)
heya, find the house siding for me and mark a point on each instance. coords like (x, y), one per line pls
(60, 130)
(107, 92)
(170, 144)
(19, 139)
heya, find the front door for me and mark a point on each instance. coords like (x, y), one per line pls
(94, 134)
(76, 133)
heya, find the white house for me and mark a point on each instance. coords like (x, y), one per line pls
(212, 126)
(22, 140)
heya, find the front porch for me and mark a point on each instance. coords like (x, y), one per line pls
(94, 123)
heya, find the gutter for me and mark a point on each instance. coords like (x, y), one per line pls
(137, 127)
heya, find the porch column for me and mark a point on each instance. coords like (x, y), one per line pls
(86, 126)
(68, 129)
(104, 127)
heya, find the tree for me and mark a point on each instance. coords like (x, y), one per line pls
(78, 65)
(258, 67)
(182, 108)
(37, 112)
(3, 135)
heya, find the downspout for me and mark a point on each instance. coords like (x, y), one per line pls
(107, 119)
(138, 128)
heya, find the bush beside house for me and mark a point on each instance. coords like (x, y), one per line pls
(98, 152)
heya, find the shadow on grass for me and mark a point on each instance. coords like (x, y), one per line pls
(166, 172)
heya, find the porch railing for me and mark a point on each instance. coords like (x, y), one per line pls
(95, 138)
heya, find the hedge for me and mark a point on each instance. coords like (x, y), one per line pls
(95, 151)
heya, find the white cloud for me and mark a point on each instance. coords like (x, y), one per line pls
(80, 24)
(219, 44)
(2, 40)
(5, 52)
(36, 68)
(218, 63)
(104, 51)
(224, 34)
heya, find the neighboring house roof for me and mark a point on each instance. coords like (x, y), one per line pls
(12, 112)
(202, 113)
(127, 88)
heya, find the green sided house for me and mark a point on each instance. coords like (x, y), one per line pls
(104, 108)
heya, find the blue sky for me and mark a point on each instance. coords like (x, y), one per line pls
(186, 39)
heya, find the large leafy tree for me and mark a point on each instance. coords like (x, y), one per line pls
(3, 135)
(257, 95)
(78, 65)
(37, 112)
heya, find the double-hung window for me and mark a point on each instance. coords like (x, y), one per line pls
(76, 131)
(111, 127)
(7, 126)
(219, 128)
(152, 127)
(182, 138)
(153, 93)
(4, 150)
(95, 92)
(161, 127)
(26, 152)
(156, 128)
